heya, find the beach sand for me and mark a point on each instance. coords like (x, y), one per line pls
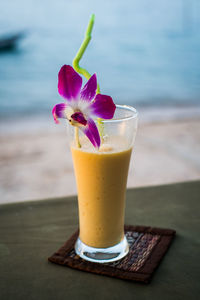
(38, 164)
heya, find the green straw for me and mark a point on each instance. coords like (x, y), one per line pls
(83, 71)
(82, 49)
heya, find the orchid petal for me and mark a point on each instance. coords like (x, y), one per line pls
(103, 107)
(79, 117)
(69, 83)
(59, 111)
(91, 131)
(89, 90)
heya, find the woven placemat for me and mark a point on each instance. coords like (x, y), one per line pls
(147, 247)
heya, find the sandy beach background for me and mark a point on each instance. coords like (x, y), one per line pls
(36, 162)
(145, 53)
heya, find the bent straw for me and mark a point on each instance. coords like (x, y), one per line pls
(82, 49)
(83, 71)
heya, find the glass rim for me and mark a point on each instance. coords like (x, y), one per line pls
(125, 107)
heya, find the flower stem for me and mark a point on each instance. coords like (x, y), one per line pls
(78, 144)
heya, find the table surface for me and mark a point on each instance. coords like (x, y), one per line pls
(32, 231)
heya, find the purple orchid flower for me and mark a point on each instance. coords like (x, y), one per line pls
(82, 104)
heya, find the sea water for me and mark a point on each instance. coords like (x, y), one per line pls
(144, 52)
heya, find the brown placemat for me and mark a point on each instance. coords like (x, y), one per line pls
(147, 247)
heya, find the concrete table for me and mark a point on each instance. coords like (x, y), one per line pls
(32, 231)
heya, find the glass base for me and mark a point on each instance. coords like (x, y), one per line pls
(102, 255)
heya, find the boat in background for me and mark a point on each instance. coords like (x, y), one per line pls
(9, 41)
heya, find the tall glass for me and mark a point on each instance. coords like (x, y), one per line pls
(101, 178)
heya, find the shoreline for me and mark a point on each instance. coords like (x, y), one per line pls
(147, 115)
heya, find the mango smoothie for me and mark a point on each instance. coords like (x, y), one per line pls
(101, 177)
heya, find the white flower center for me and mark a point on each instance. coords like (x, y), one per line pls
(69, 111)
(79, 105)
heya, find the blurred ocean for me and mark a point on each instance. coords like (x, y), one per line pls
(145, 53)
